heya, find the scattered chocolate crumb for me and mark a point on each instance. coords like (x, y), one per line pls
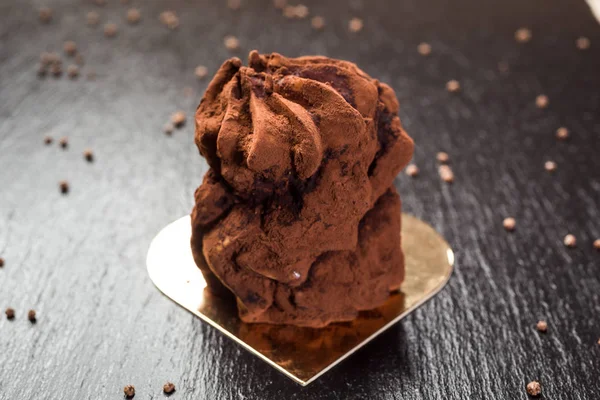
(64, 187)
(597, 247)
(452, 86)
(570, 241)
(168, 129)
(446, 173)
(424, 49)
(178, 119)
(45, 14)
(73, 71)
(550, 166)
(509, 224)
(49, 58)
(168, 388)
(412, 170)
(88, 155)
(279, 4)
(129, 391)
(110, 30)
(63, 142)
(1, 262)
(355, 25)
(523, 35)
(201, 71)
(599, 341)
(48, 140)
(541, 101)
(10, 313)
(562, 133)
(542, 326)
(301, 11)
(534, 388)
(317, 22)
(100, 3)
(133, 16)
(92, 18)
(234, 4)
(56, 69)
(70, 48)
(582, 43)
(231, 42)
(31, 316)
(289, 12)
(503, 67)
(169, 19)
(442, 157)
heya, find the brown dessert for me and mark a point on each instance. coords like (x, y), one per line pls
(298, 216)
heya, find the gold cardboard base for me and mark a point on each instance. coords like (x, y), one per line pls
(302, 354)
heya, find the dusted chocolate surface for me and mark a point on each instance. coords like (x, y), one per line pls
(298, 216)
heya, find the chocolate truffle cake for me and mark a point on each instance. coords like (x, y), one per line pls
(298, 216)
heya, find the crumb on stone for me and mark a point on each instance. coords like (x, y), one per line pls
(424, 49)
(509, 224)
(452, 86)
(523, 35)
(110, 30)
(542, 326)
(570, 241)
(169, 19)
(582, 43)
(279, 4)
(597, 244)
(317, 22)
(301, 11)
(355, 25)
(88, 154)
(1, 262)
(129, 391)
(45, 14)
(231, 42)
(201, 71)
(73, 71)
(442, 157)
(534, 388)
(31, 316)
(541, 101)
(10, 313)
(446, 173)
(562, 133)
(234, 4)
(178, 119)
(70, 48)
(412, 170)
(64, 187)
(133, 16)
(550, 166)
(63, 142)
(48, 140)
(168, 388)
(92, 18)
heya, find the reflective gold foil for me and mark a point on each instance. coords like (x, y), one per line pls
(302, 354)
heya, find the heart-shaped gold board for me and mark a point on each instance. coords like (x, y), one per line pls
(302, 354)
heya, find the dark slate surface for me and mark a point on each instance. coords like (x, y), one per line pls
(79, 260)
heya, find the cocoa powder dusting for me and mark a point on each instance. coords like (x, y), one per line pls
(271, 214)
